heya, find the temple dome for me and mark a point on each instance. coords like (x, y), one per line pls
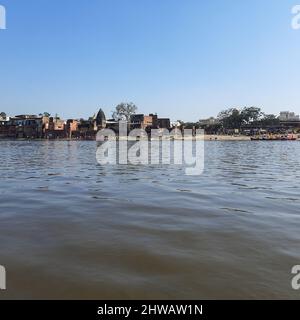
(100, 118)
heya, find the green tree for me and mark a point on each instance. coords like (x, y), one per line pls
(234, 118)
(191, 125)
(124, 111)
(252, 114)
(45, 114)
(231, 118)
(269, 120)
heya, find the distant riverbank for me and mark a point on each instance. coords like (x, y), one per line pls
(207, 137)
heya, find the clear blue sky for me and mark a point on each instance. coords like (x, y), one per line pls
(185, 59)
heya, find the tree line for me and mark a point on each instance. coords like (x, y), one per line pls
(237, 118)
(234, 118)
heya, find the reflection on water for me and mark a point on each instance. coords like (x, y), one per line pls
(70, 228)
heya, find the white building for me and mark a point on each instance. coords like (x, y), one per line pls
(288, 116)
(208, 122)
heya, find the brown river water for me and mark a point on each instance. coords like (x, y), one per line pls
(71, 228)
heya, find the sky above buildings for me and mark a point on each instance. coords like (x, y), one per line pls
(182, 59)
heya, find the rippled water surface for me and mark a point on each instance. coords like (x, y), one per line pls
(70, 228)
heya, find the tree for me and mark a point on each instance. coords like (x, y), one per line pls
(191, 125)
(231, 118)
(235, 118)
(3, 115)
(213, 128)
(124, 111)
(45, 114)
(251, 114)
(269, 120)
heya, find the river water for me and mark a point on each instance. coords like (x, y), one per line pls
(71, 228)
